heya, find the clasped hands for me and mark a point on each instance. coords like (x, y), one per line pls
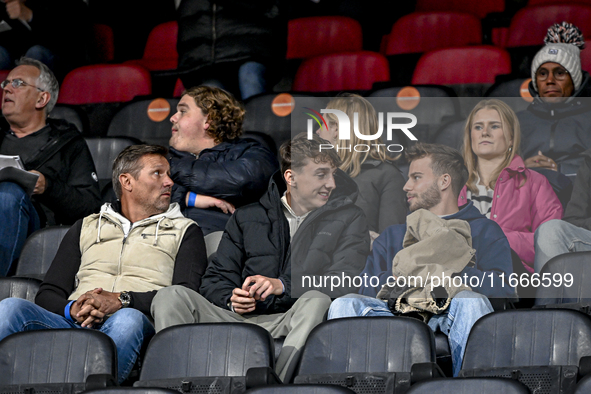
(91, 307)
(255, 288)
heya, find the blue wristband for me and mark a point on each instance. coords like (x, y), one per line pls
(67, 311)
(192, 198)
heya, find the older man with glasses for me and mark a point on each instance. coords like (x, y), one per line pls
(67, 186)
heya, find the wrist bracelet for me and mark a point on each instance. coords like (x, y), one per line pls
(67, 311)
(192, 198)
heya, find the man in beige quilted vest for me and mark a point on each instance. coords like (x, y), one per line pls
(110, 264)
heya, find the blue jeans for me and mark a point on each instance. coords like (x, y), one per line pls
(19, 220)
(556, 237)
(37, 52)
(251, 80)
(128, 328)
(465, 308)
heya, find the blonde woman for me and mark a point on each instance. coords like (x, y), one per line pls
(380, 182)
(499, 184)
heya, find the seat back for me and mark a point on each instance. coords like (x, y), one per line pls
(425, 31)
(104, 43)
(105, 83)
(205, 350)
(212, 241)
(25, 288)
(478, 8)
(341, 71)
(540, 348)
(131, 390)
(321, 35)
(584, 386)
(56, 356)
(574, 267)
(160, 52)
(76, 117)
(39, 250)
(300, 389)
(530, 24)
(145, 120)
(469, 386)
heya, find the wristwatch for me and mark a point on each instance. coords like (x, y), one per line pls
(125, 299)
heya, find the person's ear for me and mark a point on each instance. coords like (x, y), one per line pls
(444, 182)
(126, 182)
(42, 100)
(288, 175)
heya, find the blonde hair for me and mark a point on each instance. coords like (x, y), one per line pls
(511, 130)
(351, 161)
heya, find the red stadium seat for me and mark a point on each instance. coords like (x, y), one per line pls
(321, 35)
(544, 2)
(341, 71)
(104, 43)
(479, 8)
(178, 88)
(586, 58)
(105, 83)
(160, 52)
(530, 24)
(467, 65)
(425, 31)
(4, 74)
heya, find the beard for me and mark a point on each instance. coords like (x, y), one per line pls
(427, 199)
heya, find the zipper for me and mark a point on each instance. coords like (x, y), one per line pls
(213, 34)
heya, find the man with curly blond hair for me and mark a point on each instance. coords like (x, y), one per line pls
(214, 171)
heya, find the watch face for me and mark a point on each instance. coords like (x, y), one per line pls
(125, 299)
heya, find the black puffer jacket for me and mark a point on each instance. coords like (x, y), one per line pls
(561, 131)
(237, 171)
(332, 240)
(380, 194)
(72, 189)
(222, 31)
(578, 210)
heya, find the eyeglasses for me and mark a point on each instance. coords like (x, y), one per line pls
(17, 83)
(560, 74)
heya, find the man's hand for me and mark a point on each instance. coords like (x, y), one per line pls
(85, 310)
(242, 302)
(109, 302)
(541, 161)
(40, 185)
(260, 287)
(16, 9)
(205, 202)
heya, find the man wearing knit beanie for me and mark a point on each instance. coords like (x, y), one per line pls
(556, 127)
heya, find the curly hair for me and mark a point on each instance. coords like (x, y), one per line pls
(224, 113)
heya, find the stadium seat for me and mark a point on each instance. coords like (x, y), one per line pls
(207, 357)
(212, 240)
(38, 252)
(261, 117)
(104, 44)
(145, 120)
(466, 65)
(478, 8)
(57, 361)
(160, 52)
(300, 389)
(469, 386)
(178, 88)
(576, 293)
(530, 24)
(451, 135)
(341, 71)
(584, 386)
(131, 390)
(542, 349)
(322, 35)
(435, 106)
(25, 288)
(104, 83)
(566, 2)
(73, 115)
(104, 151)
(425, 31)
(369, 354)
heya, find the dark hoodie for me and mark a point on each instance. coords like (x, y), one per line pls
(561, 131)
(493, 254)
(332, 240)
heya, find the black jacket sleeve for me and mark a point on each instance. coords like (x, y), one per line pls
(58, 283)
(239, 178)
(191, 262)
(71, 192)
(578, 210)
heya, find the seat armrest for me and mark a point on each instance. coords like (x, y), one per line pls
(424, 371)
(261, 376)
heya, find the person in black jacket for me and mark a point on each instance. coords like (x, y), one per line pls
(67, 188)
(573, 233)
(214, 171)
(224, 41)
(305, 229)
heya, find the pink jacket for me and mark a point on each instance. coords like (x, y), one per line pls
(519, 211)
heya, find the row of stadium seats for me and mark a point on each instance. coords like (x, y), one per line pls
(545, 351)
